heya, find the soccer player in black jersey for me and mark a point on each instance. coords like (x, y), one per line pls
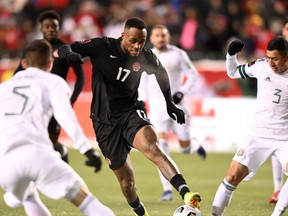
(49, 26)
(119, 119)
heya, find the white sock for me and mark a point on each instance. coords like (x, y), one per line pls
(277, 173)
(222, 198)
(33, 206)
(282, 203)
(163, 143)
(92, 206)
(195, 145)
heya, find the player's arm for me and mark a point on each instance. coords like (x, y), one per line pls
(234, 69)
(190, 71)
(66, 117)
(74, 52)
(79, 84)
(163, 81)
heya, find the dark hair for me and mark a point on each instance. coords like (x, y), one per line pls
(49, 14)
(38, 53)
(278, 43)
(285, 21)
(135, 22)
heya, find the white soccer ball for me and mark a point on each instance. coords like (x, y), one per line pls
(186, 210)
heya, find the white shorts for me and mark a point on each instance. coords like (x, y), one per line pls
(43, 166)
(255, 151)
(165, 124)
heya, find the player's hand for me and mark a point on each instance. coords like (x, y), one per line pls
(177, 97)
(235, 46)
(175, 112)
(94, 159)
(74, 58)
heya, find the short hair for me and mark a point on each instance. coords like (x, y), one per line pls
(285, 21)
(38, 53)
(135, 22)
(278, 43)
(49, 14)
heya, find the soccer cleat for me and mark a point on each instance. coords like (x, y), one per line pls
(201, 152)
(274, 197)
(192, 199)
(145, 213)
(166, 196)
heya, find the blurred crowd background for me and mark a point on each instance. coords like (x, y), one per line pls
(202, 27)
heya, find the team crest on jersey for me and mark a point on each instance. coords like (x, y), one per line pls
(136, 66)
(241, 152)
(251, 63)
(85, 41)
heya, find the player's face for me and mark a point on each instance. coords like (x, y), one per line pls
(159, 38)
(285, 31)
(133, 41)
(277, 62)
(50, 29)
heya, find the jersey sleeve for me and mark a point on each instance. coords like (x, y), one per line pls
(65, 115)
(190, 72)
(235, 70)
(88, 47)
(161, 77)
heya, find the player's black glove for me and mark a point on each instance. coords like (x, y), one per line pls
(175, 113)
(94, 159)
(74, 58)
(177, 97)
(235, 47)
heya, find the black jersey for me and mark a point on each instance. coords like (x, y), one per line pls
(116, 77)
(61, 68)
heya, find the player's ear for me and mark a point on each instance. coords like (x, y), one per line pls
(24, 63)
(49, 65)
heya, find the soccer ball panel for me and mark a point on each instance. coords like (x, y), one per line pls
(186, 210)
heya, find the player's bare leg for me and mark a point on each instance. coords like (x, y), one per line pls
(236, 173)
(126, 180)
(146, 142)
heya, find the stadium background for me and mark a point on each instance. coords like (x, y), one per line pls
(201, 27)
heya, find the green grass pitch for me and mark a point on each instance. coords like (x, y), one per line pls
(204, 176)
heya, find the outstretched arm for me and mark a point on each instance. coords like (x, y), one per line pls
(79, 84)
(173, 111)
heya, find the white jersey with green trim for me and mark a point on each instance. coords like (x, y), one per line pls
(271, 115)
(178, 66)
(28, 101)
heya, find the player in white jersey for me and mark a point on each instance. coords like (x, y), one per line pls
(178, 66)
(28, 161)
(276, 166)
(268, 136)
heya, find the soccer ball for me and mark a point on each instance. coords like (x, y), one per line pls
(186, 210)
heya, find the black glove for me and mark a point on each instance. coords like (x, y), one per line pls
(175, 113)
(74, 58)
(94, 159)
(177, 97)
(235, 47)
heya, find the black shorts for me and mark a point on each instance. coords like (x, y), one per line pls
(116, 141)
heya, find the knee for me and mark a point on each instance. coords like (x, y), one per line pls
(233, 180)
(127, 185)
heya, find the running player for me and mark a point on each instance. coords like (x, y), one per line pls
(276, 166)
(179, 67)
(28, 161)
(119, 119)
(49, 26)
(268, 136)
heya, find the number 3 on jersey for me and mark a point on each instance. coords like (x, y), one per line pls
(278, 95)
(25, 98)
(124, 73)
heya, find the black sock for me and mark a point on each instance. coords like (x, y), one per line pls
(179, 184)
(137, 207)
